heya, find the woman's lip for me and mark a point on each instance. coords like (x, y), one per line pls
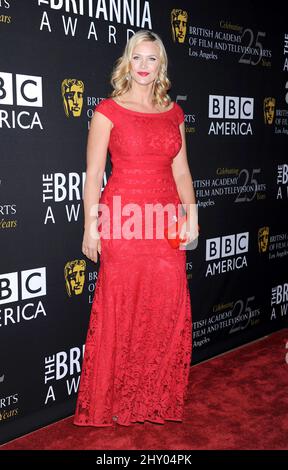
(143, 73)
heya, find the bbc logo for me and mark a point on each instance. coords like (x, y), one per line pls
(230, 107)
(229, 245)
(22, 286)
(28, 90)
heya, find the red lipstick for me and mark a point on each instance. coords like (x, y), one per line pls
(143, 74)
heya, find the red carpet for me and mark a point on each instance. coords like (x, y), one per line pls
(237, 401)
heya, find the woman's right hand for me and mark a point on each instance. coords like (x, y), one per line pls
(91, 246)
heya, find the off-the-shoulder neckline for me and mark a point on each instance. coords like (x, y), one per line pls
(140, 112)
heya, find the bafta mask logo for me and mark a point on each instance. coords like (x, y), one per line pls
(179, 20)
(263, 239)
(72, 93)
(269, 110)
(74, 274)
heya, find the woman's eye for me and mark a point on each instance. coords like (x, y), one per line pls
(152, 58)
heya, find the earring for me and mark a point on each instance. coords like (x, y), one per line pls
(128, 76)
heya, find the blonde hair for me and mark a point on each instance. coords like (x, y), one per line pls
(122, 67)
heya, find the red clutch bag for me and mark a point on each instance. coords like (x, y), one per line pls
(172, 232)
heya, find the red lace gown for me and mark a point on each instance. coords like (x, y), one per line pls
(139, 342)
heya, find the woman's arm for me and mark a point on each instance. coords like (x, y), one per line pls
(97, 145)
(96, 155)
(184, 183)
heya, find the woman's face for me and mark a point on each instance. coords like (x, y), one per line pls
(145, 62)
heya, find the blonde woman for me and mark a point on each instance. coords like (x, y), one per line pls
(138, 347)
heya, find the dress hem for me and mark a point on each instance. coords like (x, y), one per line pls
(129, 424)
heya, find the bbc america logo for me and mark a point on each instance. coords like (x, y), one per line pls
(19, 292)
(226, 253)
(18, 91)
(230, 115)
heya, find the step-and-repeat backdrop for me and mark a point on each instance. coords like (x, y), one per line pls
(229, 71)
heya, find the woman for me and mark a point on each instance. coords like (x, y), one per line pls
(138, 347)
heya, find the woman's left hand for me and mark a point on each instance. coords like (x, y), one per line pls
(189, 232)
